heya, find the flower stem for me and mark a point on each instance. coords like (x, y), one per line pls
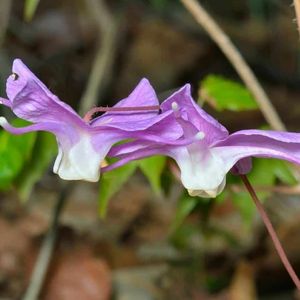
(272, 232)
(89, 115)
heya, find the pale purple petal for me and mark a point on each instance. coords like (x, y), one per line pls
(63, 133)
(259, 143)
(129, 147)
(135, 155)
(5, 102)
(31, 100)
(142, 95)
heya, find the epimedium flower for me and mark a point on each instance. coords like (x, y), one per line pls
(214, 152)
(83, 144)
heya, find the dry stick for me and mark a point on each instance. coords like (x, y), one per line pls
(237, 61)
(297, 9)
(46, 251)
(102, 63)
(272, 232)
(104, 57)
(270, 114)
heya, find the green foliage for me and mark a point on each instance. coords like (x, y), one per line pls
(152, 168)
(30, 7)
(24, 158)
(185, 206)
(15, 151)
(222, 93)
(159, 4)
(245, 205)
(43, 153)
(265, 173)
(111, 182)
(182, 235)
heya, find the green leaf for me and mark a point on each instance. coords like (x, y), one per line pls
(159, 4)
(245, 205)
(185, 206)
(15, 151)
(265, 172)
(30, 9)
(283, 172)
(152, 168)
(222, 93)
(262, 174)
(43, 153)
(10, 165)
(111, 182)
(24, 143)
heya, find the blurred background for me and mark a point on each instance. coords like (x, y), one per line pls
(138, 235)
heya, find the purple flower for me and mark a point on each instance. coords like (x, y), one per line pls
(212, 153)
(82, 145)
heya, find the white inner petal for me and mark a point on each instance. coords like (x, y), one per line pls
(208, 193)
(58, 160)
(202, 172)
(3, 121)
(80, 162)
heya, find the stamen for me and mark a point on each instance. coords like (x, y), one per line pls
(175, 106)
(3, 121)
(200, 135)
(14, 76)
(94, 111)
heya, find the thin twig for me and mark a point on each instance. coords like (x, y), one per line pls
(5, 8)
(297, 10)
(272, 232)
(103, 61)
(45, 254)
(101, 67)
(237, 61)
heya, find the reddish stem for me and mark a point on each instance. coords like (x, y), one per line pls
(90, 113)
(272, 232)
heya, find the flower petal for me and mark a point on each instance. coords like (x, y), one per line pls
(80, 153)
(32, 101)
(142, 95)
(258, 143)
(82, 161)
(135, 155)
(5, 102)
(202, 172)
